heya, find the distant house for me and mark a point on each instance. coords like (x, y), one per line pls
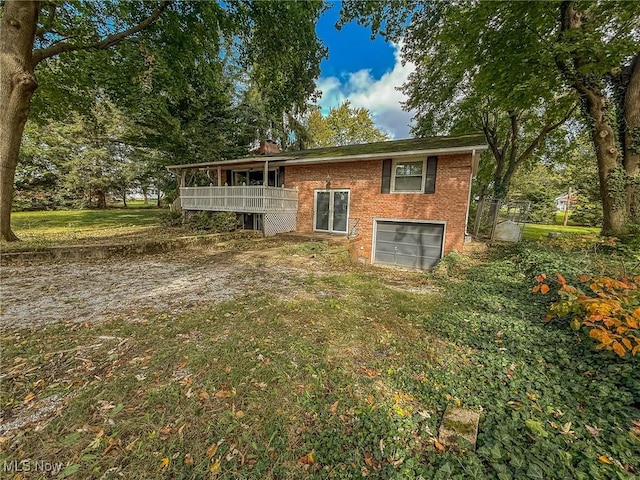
(562, 200)
(403, 202)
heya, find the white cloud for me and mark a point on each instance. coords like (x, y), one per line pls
(380, 96)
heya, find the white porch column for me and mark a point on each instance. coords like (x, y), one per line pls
(266, 173)
(219, 176)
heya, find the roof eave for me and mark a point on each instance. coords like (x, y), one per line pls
(293, 160)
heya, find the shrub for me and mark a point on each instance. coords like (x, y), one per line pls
(586, 213)
(215, 222)
(608, 308)
(171, 219)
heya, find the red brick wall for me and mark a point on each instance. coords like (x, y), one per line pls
(364, 179)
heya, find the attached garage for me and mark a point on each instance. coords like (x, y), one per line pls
(408, 244)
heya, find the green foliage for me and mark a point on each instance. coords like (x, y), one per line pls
(586, 212)
(171, 219)
(609, 309)
(214, 222)
(516, 71)
(343, 125)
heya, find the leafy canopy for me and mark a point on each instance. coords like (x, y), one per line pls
(344, 125)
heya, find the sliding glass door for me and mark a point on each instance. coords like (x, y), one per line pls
(332, 211)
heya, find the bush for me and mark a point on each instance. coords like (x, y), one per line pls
(214, 222)
(586, 213)
(609, 309)
(171, 219)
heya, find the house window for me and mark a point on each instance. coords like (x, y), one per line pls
(415, 176)
(408, 176)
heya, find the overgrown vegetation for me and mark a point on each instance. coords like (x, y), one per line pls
(348, 377)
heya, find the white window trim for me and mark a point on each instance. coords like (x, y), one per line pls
(392, 188)
(315, 210)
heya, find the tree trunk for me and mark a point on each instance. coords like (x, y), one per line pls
(101, 199)
(124, 197)
(607, 154)
(17, 84)
(632, 141)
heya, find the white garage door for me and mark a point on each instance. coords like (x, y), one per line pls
(408, 244)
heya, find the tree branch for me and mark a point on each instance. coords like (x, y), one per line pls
(490, 135)
(543, 133)
(107, 42)
(514, 137)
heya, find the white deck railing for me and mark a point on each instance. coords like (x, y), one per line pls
(245, 199)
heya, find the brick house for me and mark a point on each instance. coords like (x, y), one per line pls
(402, 202)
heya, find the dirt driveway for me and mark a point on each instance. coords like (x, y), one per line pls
(37, 294)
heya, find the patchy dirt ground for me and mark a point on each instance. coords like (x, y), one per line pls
(37, 294)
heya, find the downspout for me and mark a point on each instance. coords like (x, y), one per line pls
(472, 176)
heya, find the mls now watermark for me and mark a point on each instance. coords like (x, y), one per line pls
(15, 466)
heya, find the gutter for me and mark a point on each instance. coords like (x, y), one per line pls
(293, 160)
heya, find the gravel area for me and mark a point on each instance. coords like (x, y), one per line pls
(38, 294)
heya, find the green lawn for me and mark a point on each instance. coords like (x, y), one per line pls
(348, 378)
(47, 228)
(533, 231)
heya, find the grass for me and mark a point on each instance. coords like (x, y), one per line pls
(349, 378)
(48, 228)
(533, 231)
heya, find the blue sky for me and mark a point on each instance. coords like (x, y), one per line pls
(364, 71)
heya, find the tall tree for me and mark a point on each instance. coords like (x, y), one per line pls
(274, 41)
(528, 56)
(344, 125)
(598, 54)
(457, 87)
(21, 26)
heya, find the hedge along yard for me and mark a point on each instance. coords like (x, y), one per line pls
(312, 367)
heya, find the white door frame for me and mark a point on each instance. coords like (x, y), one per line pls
(331, 193)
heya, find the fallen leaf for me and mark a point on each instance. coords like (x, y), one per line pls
(308, 458)
(131, 444)
(605, 459)
(211, 451)
(112, 445)
(188, 459)
(223, 394)
(334, 407)
(594, 431)
(29, 398)
(215, 466)
(165, 463)
(368, 459)
(440, 447)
